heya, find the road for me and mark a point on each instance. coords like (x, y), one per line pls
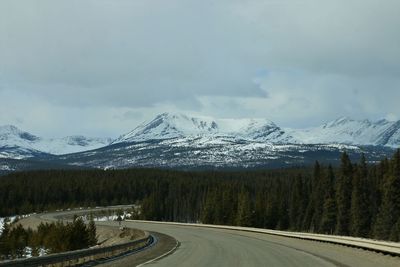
(217, 247)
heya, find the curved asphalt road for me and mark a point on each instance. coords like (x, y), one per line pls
(216, 247)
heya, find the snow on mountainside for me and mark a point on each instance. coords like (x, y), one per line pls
(340, 131)
(71, 144)
(167, 126)
(170, 126)
(348, 131)
(180, 131)
(15, 143)
(264, 130)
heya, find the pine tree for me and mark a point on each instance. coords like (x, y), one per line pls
(78, 235)
(296, 205)
(208, 212)
(343, 196)
(328, 220)
(5, 249)
(92, 233)
(314, 209)
(245, 213)
(229, 206)
(260, 208)
(389, 212)
(360, 217)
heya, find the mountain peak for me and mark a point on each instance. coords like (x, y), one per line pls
(177, 125)
(11, 132)
(339, 121)
(170, 125)
(9, 129)
(19, 140)
(346, 130)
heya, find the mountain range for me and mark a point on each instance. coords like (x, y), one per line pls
(180, 141)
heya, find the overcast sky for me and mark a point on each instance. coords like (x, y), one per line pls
(101, 67)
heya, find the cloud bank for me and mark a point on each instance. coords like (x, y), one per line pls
(100, 67)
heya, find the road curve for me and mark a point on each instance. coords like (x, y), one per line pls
(219, 247)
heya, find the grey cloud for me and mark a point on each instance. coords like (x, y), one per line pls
(291, 61)
(121, 53)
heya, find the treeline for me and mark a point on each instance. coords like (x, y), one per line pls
(16, 242)
(354, 199)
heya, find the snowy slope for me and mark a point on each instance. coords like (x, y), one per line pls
(348, 131)
(264, 130)
(341, 131)
(176, 125)
(176, 130)
(18, 144)
(70, 144)
(167, 126)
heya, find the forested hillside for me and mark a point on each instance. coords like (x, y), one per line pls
(355, 199)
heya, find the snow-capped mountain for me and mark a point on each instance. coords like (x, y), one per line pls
(348, 131)
(264, 131)
(341, 131)
(167, 126)
(15, 143)
(175, 125)
(175, 140)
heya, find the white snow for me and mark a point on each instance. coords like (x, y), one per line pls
(182, 130)
(11, 220)
(341, 131)
(167, 125)
(15, 143)
(176, 125)
(353, 132)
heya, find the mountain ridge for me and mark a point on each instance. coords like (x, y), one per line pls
(177, 130)
(16, 143)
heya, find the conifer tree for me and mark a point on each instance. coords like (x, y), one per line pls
(92, 233)
(360, 217)
(78, 236)
(343, 196)
(245, 214)
(208, 212)
(313, 212)
(296, 204)
(228, 206)
(328, 220)
(260, 218)
(5, 249)
(389, 212)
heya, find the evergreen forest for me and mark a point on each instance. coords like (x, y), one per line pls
(356, 198)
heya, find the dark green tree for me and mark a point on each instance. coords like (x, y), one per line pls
(343, 196)
(245, 211)
(92, 232)
(313, 212)
(5, 249)
(389, 213)
(296, 205)
(360, 217)
(329, 213)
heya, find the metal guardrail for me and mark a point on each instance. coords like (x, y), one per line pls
(78, 257)
(389, 248)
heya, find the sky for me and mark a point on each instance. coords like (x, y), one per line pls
(99, 68)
